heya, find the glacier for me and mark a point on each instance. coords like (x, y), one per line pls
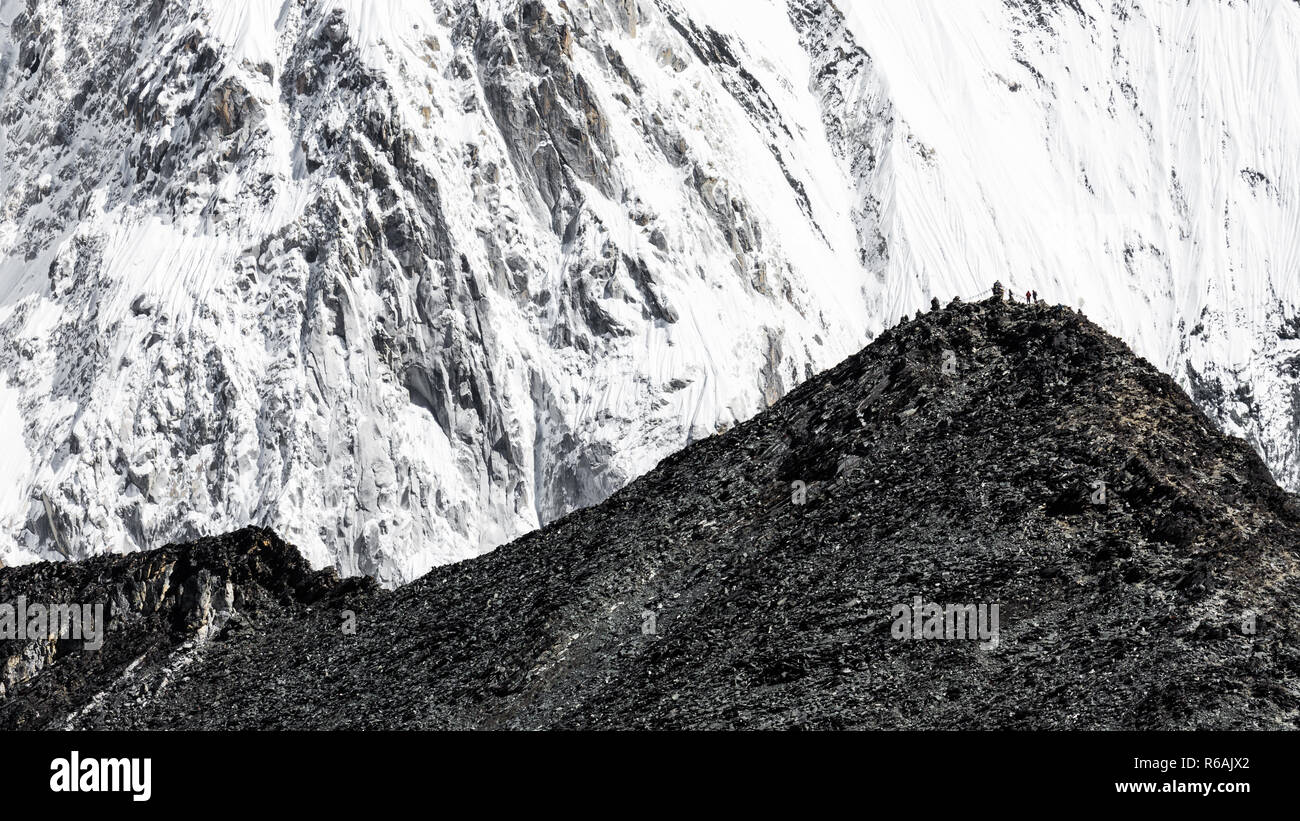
(406, 280)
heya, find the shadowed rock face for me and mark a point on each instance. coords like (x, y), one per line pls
(163, 609)
(1144, 567)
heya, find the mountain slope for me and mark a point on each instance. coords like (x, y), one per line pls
(954, 459)
(405, 286)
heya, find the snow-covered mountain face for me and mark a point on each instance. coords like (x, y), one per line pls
(405, 280)
(1140, 161)
(401, 280)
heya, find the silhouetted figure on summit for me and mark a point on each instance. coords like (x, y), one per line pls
(997, 289)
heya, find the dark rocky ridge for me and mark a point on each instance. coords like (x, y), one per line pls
(161, 606)
(974, 485)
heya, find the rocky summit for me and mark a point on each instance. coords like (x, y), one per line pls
(994, 516)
